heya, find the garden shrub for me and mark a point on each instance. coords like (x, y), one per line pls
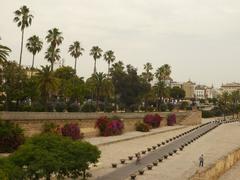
(171, 119)
(215, 112)
(50, 127)
(37, 107)
(50, 107)
(88, 107)
(45, 155)
(163, 107)
(142, 127)
(11, 137)
(72, 130)
(109, 126)
(153, 120)
(109, 108)
(170, 106)
(184, 105)
(74, 107)
(60, 106)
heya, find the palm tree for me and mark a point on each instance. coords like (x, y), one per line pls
(4, 52)
(99, 81)
(55, 38)
(23, 18)
(110, 58)
(147, 75)
(52, 55)
(163, 72)
(75, 51)
(34, 46)
(47, 83)
(96, 52)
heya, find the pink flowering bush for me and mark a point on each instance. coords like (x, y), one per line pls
(153, 120)
(109, 126)
(171, 119)
(72, 130)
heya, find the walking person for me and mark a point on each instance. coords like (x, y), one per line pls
(138, 161)
(201, 160)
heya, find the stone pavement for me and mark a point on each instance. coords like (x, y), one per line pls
(100, 141)
(126, 171)
(112, 153)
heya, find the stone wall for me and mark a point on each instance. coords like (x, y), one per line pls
(219, 168)
(32, 122)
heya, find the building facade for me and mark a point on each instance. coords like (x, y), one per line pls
(189, 88)
(230, 87)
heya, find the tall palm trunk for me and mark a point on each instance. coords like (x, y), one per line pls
(108, 69)
(20, 60)
(95, 68)
(33, 61)
(75, 66)
(32, 65)
(52, 65)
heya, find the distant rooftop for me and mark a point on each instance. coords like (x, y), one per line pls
(233, 84)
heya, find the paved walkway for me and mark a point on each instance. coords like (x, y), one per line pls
(127, 170)
(100, 141)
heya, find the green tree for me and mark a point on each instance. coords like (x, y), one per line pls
(147, 74)
(96, 52)
(75, 51)
(4, 53)
(47, 83)
(117, 75)
(34, 46)
(163, 72)
(177, 93)
(234, 101)
(13, 85)
(23, 18)
(70, 85)
(54, 38)
(109, 58)
(99, 82)
(223, 103)
(47, 154)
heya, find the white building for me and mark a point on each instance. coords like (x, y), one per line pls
(200, 92)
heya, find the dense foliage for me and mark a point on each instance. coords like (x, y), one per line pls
(11, 137)
(153, 120)
(47, 154)
(109, 126)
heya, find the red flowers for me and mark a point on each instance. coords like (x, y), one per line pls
(109, 126)
(72, 130)
(153, 120)
(171, 119)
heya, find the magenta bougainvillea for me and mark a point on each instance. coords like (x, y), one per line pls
(171, 119)
(109, 126)
(72, 130)
(153, 120)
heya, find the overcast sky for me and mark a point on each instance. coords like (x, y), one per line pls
(200, 39)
